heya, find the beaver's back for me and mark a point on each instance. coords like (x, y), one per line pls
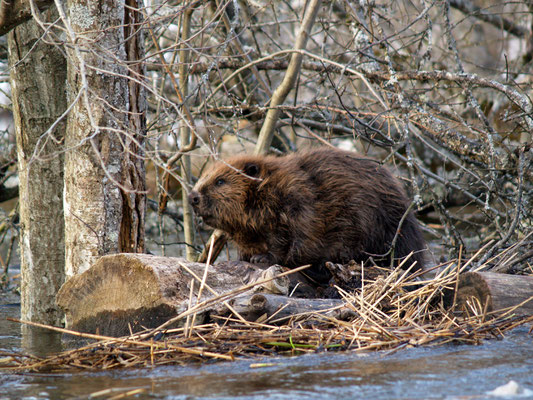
(359, 204)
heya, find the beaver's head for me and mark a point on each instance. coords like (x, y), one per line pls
(223, 194)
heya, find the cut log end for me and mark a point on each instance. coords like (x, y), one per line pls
(493, 292)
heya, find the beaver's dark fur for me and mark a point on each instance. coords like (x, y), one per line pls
(308, 208)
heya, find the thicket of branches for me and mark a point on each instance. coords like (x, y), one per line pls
(437, 89)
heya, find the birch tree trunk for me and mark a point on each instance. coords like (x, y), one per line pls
(104, 169)
(38, 78)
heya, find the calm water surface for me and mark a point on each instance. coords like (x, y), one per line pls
(447, 372)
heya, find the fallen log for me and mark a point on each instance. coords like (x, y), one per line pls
(125, 293)
(496, 292)
(273, 308)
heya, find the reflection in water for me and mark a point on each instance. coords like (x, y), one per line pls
(450, 372)
(39, 341)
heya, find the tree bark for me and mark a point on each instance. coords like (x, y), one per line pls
(104, 168)
(38, 78)
(134, 173)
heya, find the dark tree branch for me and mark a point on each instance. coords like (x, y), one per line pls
(15, 12)
(470, 9)
(8, 193)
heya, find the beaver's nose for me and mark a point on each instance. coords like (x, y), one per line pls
(194, 198)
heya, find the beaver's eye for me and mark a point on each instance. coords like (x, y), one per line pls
(220, 182)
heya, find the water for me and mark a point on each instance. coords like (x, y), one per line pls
(446, 372)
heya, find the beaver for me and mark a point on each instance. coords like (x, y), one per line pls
(309, 207)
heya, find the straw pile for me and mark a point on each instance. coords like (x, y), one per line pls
(392, 311)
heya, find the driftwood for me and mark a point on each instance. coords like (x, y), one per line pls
(131, 291)
(496, 292)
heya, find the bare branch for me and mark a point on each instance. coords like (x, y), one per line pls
(267, 131)
(470, 9)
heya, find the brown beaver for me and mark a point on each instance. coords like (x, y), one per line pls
(308, 208)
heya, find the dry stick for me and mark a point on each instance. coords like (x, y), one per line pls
(185, 137)
(249, 324)
(439, 282)
(267, 130)
(517, 259)
(397, 234)
(506, 312)
(444, 277)
(435, 75)
(225, 296)
(186, 331)
(367, 307)
(175, 85)
(510, 248)
(462, 148)
(213, 292)
(189, 121)
(516, 219)
(202, 285)
(238, 46)
(513, 95)
(471, 10)
(457, 277)
(476, 254)
(366, 310)
(218, 239)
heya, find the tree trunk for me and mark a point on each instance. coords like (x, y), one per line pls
(38, 78)
(104, 169)
(16, 12)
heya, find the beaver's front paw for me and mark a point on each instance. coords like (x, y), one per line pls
(262, 259)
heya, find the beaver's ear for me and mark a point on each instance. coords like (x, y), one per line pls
(251, 169)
